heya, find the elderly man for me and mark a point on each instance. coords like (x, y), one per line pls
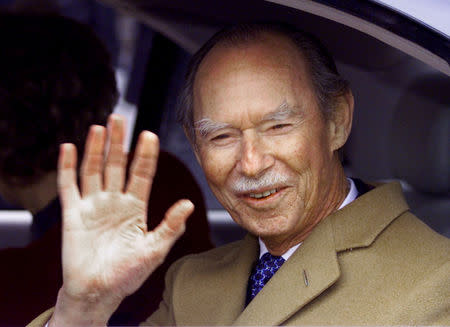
(266, 112)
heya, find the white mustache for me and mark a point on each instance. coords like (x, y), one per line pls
(247, 184)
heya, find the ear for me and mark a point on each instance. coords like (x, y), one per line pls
(340, 122)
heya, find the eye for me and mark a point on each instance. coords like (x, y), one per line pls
(280, 126)
(223, 137)
(220, 137)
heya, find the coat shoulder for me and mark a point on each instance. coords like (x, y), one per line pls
(413, 238)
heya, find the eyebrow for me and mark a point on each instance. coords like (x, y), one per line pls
(207, 126)
(282, 112)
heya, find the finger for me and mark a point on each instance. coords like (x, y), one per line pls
(143, 167)
(116, 160)
(67, 176)
(173, 225)
(92, 165)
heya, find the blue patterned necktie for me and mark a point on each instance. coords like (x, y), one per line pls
(263, 271)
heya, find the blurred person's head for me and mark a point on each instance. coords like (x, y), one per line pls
(56, 81)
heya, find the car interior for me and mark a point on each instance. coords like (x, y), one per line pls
(400, 81)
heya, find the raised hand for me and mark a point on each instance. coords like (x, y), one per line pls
(107, 251)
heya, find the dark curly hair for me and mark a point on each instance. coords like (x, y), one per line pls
(56, 80)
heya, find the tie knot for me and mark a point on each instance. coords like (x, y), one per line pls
(269, 263)
(266, 267)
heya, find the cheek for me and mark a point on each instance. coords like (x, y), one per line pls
(303, 155)
(294, 151)
(310, 148)
(216, 165)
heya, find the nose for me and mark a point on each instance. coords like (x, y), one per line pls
(254, 159)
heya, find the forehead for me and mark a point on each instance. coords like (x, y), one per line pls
(250, 79)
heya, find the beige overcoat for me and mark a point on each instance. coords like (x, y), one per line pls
(370, 263)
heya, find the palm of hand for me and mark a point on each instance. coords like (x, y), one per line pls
(111, 227)
(107, 250)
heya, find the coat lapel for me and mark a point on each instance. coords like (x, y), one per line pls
(311, 270)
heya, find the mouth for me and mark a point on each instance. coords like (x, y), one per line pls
(263, 195)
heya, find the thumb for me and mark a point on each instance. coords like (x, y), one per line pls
(172, 226)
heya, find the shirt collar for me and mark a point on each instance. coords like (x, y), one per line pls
(351, 195)
(286, 255)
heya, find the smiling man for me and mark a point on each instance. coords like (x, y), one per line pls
(267, 150)
(266, 113)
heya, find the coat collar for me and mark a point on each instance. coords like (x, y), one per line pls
(314, 267)
(359, 223)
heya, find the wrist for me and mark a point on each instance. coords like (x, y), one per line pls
(82, 311)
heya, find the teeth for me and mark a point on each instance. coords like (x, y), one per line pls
(262, 195)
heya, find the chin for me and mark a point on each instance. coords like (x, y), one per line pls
(269, 227)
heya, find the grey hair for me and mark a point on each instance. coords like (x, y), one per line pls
(327, 83)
